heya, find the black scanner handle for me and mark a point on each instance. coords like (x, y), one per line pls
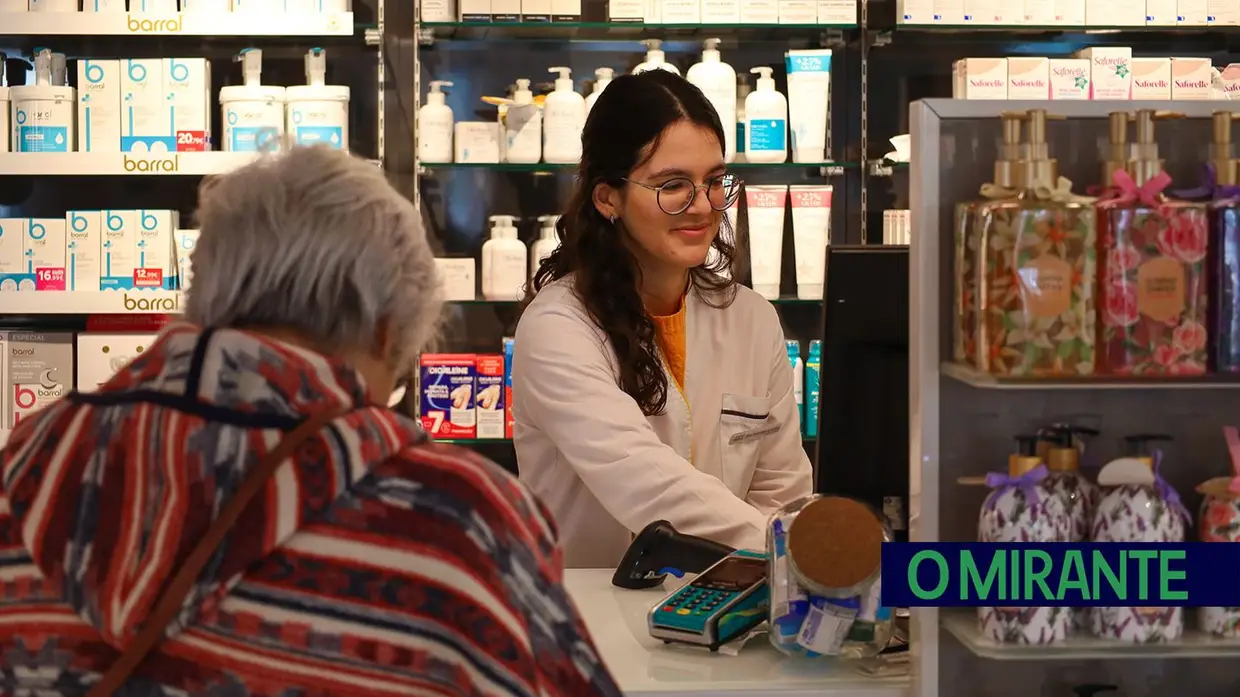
(659, 547)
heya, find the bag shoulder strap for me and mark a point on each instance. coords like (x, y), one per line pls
(170, 602)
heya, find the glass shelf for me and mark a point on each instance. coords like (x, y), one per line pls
(833, 168)
(621, 31)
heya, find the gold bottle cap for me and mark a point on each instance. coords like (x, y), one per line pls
(1117, 146)
(1040, 169)
(1019, 465)
(1063, 460)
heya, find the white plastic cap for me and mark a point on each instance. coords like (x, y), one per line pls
(500, 224)
(316, 67)
(43, 67)
(710, 50)
(547, 231)
(654, 50)
(565, 81)
(251, 60)
(436, 96)
(60, 71)
(765, 81)
(522, 95)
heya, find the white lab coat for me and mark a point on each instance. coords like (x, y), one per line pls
(605, 470)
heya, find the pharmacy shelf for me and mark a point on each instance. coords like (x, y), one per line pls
(78, 302)
(831, 167)
(191, 24)
(962, 623)
(30, 164)
(622, 31)
(976, 378)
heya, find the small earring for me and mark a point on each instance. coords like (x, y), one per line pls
(611, 219)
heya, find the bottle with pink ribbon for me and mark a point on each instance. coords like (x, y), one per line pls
(1138, 505)
(1153, 255)
(1021, 508)
(1220, 522)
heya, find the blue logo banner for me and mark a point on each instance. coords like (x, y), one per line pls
(979, 574)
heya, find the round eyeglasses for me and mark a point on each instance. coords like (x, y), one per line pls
(676, 195)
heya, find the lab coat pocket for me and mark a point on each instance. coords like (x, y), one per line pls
(745, 422)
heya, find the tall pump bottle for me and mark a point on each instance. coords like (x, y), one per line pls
(1138, 505)
(656, 59)
(1005, 184)
(717, 80)
(766, 121)
(1036, 271)
(1154, 253)
(602, 78)
(318, 113)
(435, 124)
(253, 112)
(503, 261)
(1021, 508)
(43, 113)
(546, 243)
(564, 118)
(523, 126)
(1060, 447)
(742, 94)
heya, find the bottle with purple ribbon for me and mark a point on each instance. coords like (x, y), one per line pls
(1138, 505)
(1020, 508)
(1061, 447)
(1220, 522)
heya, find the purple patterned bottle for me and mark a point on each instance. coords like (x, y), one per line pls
(1061, 449)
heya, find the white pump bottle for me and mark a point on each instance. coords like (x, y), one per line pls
(766, 121)
(523, 125)
(717, 80)
(602, 78)
(435, 123)
(545, 244)
(656, 59)
(43, 113)
(318, 113)
(253, 112)
(503, 261)
(564, 118)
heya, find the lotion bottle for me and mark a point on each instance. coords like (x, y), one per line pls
(1060, 447)
(503, 261)
(798, 377)
(523, 125)
(563, 121)
(656, 59)
(253, 113)
(546, 243)
(43, 113)
(602, 78)
(742, 95)
(717, 80)
(435, 124)
(318, 113)
(766, 121)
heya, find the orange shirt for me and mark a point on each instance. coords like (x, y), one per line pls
(670, 334)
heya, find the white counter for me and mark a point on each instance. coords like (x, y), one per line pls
(646, 667)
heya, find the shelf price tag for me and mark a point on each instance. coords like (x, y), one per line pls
(49, 279)
(148, 278)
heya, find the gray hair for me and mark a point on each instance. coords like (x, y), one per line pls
(314, 240)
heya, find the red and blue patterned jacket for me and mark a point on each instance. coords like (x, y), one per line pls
(375, 562)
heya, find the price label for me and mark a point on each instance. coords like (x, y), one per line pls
(148, 278)
(192, 141)
(49, 279)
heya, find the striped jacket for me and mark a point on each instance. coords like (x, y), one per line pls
(375, 563)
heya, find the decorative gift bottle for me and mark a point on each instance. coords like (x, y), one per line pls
(1036, 305)
(1153, 255)
(1220, 192)
(1061, 449)
(1138, 505)
(1220, 522)
(1005, 185)
(1021, 508)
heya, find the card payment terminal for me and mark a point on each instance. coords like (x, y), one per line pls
(721, 604)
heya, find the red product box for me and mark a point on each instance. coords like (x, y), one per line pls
(491, 397)
(448, 395)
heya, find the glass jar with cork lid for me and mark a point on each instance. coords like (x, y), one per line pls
(823, 555)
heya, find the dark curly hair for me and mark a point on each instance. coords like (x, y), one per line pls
(621, 133)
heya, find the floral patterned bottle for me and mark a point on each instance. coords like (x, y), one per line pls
(1036, 300)
(1153, 255)
(1021, 508)
(1138, 505)
(1220, 522)
(1005, 185)
(1061, 448)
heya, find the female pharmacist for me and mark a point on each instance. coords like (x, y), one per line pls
(647, 385)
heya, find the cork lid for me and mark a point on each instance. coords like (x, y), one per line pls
(835, 543)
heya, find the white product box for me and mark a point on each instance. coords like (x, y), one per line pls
(39, 371)
(1222, 13)
(155, 267)
(505, 10)
(759, 11)
(1191, 13)
(99, 105)
(440, 10)
(726, 11)
(1151, 78)
(914, 11)
(1115, 13)
(456, 279)
(652, 11)
(475, 10)
(565, 10)
(1190, 78)
(185, 241)
(689, 11)
(1070, 13)
(1161, 13)
(1231, 80)
(833, 11)
(531, 11)
(187, 85)
(145, 113)
(45, 252)
(101, 356)
(948, 12)
(980, 78)
(1110, 71)
(1039, 13)
(118, 249)
(84, 234)
(798, 11)
(476, 142)
(985, 11)
(1029, 78)
(628, 10)
(13, 255)
(1070, 78)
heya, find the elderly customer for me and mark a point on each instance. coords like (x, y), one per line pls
(371, 561)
